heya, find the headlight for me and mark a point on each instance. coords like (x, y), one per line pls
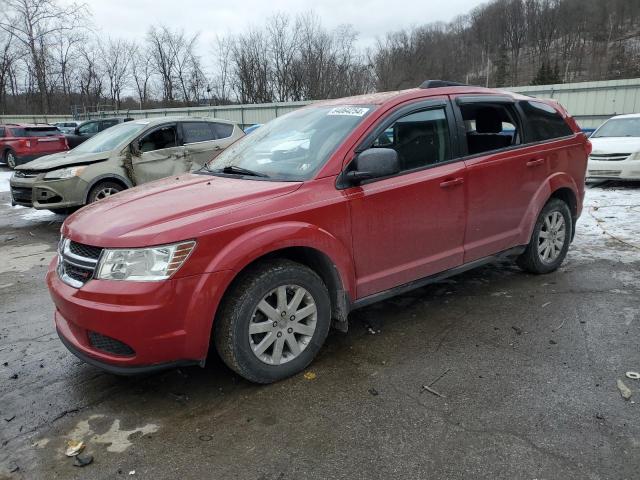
(635, 156)
(64, 173)
(143, 264)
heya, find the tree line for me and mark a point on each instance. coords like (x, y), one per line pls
(52, 61)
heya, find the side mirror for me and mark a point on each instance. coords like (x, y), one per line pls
(134, 148)
(374, 163)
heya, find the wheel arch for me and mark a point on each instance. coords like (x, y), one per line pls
(107, 177)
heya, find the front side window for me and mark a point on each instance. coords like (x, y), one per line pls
(195, 132)
(489, 126)
(543, 122)
(108, 123)
(421, 139)
(158, 139)
(88, 128)
(294, 146)
(619, 127)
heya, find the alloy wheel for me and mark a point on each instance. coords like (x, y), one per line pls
(106, 192)
(552, 237)
(11, 160)
(283, 324)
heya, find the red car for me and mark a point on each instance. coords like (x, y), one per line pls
(319, 212)
(21, 143)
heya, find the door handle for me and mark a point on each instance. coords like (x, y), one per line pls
(535, 163)
(452, 183)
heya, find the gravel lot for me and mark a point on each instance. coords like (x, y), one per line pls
(526, 367)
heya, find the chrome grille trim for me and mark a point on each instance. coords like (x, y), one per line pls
(609, 157)
(85, 264)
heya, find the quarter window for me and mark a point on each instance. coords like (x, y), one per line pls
(543, 122)
(223, 130)
(197, 132)
(421, 139)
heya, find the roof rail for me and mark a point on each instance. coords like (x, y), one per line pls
(441, 83)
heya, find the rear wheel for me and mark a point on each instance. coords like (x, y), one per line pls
(10, 159)
(550, 240)
(273, 322)
(104, 190)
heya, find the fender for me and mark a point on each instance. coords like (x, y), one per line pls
(265, 239)
(542, 195)
(106, 176)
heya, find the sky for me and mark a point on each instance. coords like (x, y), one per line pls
(372, 19)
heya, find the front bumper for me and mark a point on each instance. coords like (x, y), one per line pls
(48, 194)
(613, 170)
(164, 324)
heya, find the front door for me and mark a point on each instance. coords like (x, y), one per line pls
(159, 155)
(411, 225)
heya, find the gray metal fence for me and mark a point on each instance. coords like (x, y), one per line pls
(590, 103)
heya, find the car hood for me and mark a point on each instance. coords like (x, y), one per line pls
(615, 144)
(63, 159)
(170, 210)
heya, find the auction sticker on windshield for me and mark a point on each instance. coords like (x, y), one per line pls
(349, 110)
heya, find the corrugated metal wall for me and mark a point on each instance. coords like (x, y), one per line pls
(590, 103)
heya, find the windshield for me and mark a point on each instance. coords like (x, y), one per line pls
(110, 138)
(619, 127)
(291, 147)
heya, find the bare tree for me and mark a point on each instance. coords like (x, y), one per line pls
(115, 57)
(222, 81)
(33, 23)
(142, 72)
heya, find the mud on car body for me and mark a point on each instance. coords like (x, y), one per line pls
(118, 158)
(321, 211)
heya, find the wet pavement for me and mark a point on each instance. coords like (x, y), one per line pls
(523, 367)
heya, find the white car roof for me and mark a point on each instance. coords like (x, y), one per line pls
(629, 115)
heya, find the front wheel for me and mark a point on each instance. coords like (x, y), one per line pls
(104, 190)
(10, 159)
(273, 321)
(550, 240)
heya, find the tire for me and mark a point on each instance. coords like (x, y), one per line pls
(541, 259)
(62, 211)
(103, 189)
(240, 309)
(10, 159)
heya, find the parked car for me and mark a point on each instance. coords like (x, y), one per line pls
(324, 210)
(67, 126)
(121, 157)
(616, 149)
(89, 128)
(21, 143)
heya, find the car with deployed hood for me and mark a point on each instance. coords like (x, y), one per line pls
(319, 212)
(119, 158)
(616, 149)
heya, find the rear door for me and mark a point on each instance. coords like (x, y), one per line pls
(503, 173)
(160, 154)
(411, 225)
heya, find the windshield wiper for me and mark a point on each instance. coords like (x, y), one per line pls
(241, 171)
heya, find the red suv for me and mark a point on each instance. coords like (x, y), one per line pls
(319, 212)
(21, 143)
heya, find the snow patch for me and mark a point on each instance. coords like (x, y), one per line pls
(4, 180)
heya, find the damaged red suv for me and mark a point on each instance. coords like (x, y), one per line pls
(319, 212)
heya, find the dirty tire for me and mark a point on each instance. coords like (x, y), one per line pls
(102, 190)
(231, 330)
(532, 260)
(10, 159)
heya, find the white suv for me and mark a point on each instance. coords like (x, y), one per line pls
(616, 149)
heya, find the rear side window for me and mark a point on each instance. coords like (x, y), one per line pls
(194, 132)
(490, 126)
(543, 122)
(223, 130)
(36, 131)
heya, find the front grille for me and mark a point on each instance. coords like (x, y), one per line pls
(609, 157)
(77, 262)
(26, 173)
(85, 250)
(110, 345)
(604, 173)
(21, 194)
